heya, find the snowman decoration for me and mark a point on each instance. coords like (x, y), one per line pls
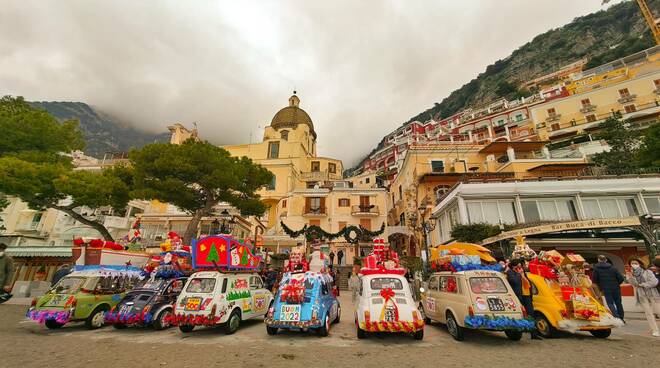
(235, 258)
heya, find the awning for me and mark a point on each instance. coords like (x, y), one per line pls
(558, 166)
(39, 251)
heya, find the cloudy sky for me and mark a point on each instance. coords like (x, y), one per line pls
(361, 68)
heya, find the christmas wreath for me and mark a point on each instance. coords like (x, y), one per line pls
(352, 234)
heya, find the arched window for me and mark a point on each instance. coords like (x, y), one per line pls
(284, 135)
(439, 191)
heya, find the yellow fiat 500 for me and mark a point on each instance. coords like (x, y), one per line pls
(552, 313)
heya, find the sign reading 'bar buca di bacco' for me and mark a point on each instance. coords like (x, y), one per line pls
(564, 226)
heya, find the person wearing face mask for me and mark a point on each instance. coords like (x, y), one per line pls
(522, 287)
(645, 282)
(6, 272)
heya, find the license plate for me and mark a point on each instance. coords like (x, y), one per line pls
(495, 304)
(124, 309)
(290, 313)
(193, 304)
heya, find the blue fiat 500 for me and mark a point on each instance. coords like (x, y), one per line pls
(304, 302)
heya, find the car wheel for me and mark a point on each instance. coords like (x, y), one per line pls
(338, 315)
(543, 326)
(119, 326)
(53, 324)
(97, 318)
(233, 322)
(361, 334)
(426, 319)
(419, 334)
(186, 328)
(454, 329)
(161, 321)
(513, 335)
(323, 330)
(601, 334)
(271, 330)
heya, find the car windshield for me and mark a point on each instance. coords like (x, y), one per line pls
(487, 285)
(69, 285)
(152, 284)
(386, 283)
(201, 286)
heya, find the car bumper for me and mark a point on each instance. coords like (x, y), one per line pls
(62, 316)
(271, 322)
(499, 323)
(604, 323)
(399, 326)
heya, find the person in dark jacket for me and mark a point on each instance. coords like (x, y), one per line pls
(522, 287)
(60, 273)
(609, 280)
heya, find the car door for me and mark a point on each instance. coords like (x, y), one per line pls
(259, 295)
(431, 302)
(449, 289)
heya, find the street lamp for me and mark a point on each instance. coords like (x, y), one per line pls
(426, 228)
(227, 222)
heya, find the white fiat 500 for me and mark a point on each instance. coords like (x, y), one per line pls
(216, 298)
(385, 304)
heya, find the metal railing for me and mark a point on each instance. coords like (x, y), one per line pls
(369, 209)
(315, 211)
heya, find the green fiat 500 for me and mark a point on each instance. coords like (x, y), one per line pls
(80, 296)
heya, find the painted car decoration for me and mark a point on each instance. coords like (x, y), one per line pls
(83, 295)
(304, 302)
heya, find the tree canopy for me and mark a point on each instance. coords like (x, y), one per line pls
(34, 165)
(195, 176)
(630, 149)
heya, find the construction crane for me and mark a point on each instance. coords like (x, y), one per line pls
(648, 16)
(650, 20)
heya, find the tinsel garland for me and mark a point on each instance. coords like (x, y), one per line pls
(128, 318)
(193, 320)
(499, 323)
(310, 231)
(43, 316)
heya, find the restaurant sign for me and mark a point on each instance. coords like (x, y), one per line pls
(564, 226)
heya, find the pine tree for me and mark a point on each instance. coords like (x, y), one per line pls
(244, 259)
(213, 254)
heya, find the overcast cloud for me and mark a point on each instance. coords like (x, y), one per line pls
(361, 68)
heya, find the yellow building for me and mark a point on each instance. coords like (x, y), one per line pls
(428, 172)
(288, 150)
(634, 92)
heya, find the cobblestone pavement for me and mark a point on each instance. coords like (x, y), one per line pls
(25, 344)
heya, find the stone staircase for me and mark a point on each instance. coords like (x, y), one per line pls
(344, 274)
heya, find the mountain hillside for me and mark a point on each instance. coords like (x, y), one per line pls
(102, 133)
(600, 37)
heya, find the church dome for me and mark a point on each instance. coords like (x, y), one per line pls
(291, 116)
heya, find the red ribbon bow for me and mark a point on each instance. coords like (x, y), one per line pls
(387, 294)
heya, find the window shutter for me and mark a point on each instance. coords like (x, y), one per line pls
(322, 209)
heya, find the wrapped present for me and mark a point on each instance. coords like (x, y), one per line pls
(573, 259)
(553, 257)
(585, 309)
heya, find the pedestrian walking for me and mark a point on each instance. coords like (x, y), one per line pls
(64, 270)
(646, 293)
(332, 257)
(522, 287)
(6, 273)
(354, 285)
(609, 281)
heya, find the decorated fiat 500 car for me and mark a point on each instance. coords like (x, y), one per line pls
(474, 299)
(563, 298)
(217, 298)
(385, 302)
(149, 304)
(304, 302)
(232, 292)
(83, 295)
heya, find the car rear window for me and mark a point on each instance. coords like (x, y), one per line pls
(487, 285)
(386, 283)
(201, 286)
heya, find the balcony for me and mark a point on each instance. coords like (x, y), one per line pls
(588, 108)
(28, 226)
(115, 222)
(315, 211)
(552, 118)
(365, 210)
(626, 99)
(319, 176)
